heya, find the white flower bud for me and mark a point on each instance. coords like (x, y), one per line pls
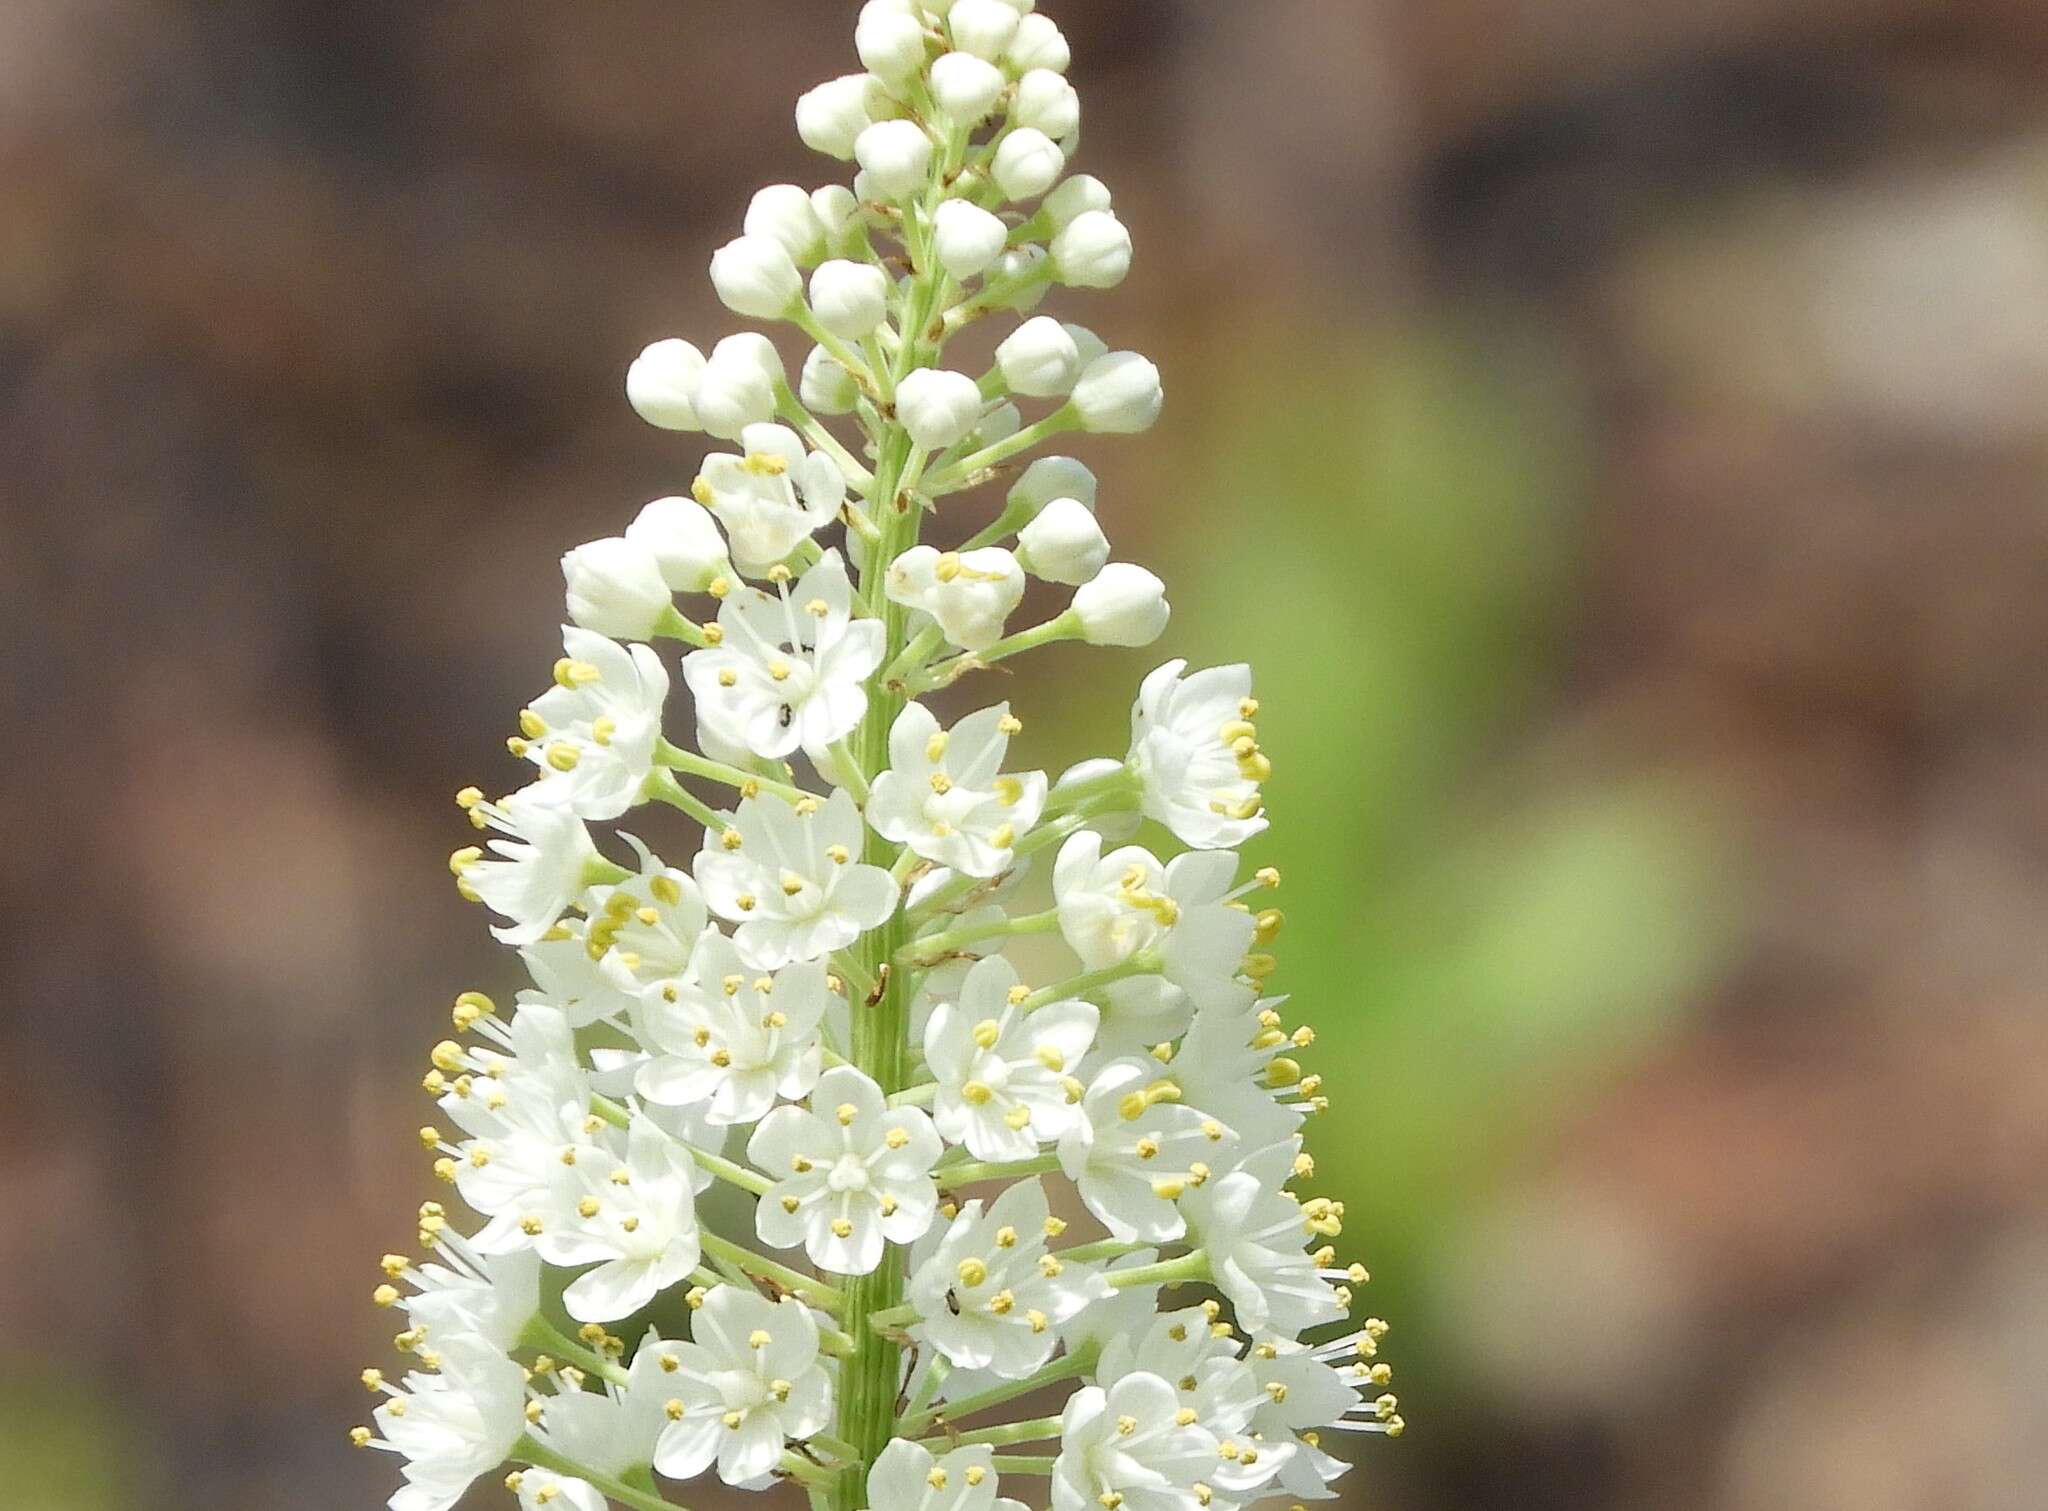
(849, 298)
(1064, 544)
(982, 27)
(1118, 395)
(684, 540)
(938, 407)
(1052, 477)
(662, 382)
(1039, 44)
(826, 387)
(1123, 605)
(890, 40)
(896, 156)
(830, 117)
(967, 238)
(1088, 344)
(1093, 252)
(966, 87)
(784, 213)
(835, 207)
(1039, 359)
(1048, 102)
(999, 424)
(616, 588)
(1019, 262)
(755, 276)
(737, 388)
(1028, 163)
(1074, 198)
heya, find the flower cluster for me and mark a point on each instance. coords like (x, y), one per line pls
(950, 1172)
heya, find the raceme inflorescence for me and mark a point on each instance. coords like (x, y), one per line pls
(835, 1155)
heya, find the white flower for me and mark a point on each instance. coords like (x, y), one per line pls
(786, 214)
(907, 1477)
(592, 734)
(1039, 359)
(642, 929)
(1093, 252)
(966, 87)
(453, 1426)
(1111, 906)
(730, 1039)
(1046, 102)
(967, 238)
(755, 276)
(1196, 754)
(790, 669)
(831, 117)
(982, 27)
(890, 40)
(1006, 1077)
(849, 298)
(737, 386)
(1225, 1064)
(615, 587)
(772, 498)
(610, 1433)
(749, 1379)
(1063, 544)
(541, 862)
(1299, 1392)
(1122, 605)
(945, 794)
(896, 156)
(852, 1174)
(1027, 164)
(991, 1297)
(545, 1490)
(1039, 44)
(684, 541)
(1119, 394)
(1254, 1233)
(970, 593)
(1026, 270)
(1075, 198)
(792, 880)
(825, 386)
(490, 1297)
(1048, 478)
(640, 1232)
(661, 384)
(1129, 1447)
(1136, 1150)
(938, 407)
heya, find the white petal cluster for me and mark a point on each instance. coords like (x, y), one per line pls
(874, 1082)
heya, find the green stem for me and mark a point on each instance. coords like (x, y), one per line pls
(1023, 1463)
(1067, 1367)
(955, 477)
(665, 787)
(1194, 1266)
(679, 759)
(933, 948)
(816, 1292)
(731, 1173)
(1066, 626)
(1143, 963)
(1036, 1430)
(543, 1335)
(976, 1170)
(530, 1450)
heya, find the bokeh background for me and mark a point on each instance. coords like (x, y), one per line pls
(1614, 428)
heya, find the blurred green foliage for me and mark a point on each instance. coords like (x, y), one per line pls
(60, 1444)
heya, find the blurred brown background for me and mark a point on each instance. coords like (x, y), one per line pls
(1615, 427)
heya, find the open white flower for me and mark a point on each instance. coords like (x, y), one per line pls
(592, 734)
(772, 498)
(1255, 1233)
(791, 880)
(729, 1038)
(1137, 1150)
(491, 1297)
(1196, 753)
(453, 1426)
(1112, 906)
(640, 1231)
(1006, 1077)
(1130, 1447)
(749, 1379)
(543, 860)
(644, 929)
(852, 1173)
(788, 672)
(945, 794)
(969, 593)
(610, 1432)
(989, 1294)
(909, 1477)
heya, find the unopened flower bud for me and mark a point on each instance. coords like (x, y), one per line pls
(684, 540)
(835, 206)
(982, 27)
(1052, 477)
(826, 387)
(967, 238)
(1088, 344)
(1022, 263)
(1048, 103)
(1028, 163)
(849, 298)
(1118, 395)
(938, 407)
(890, 40)
(1075, 198)
(1093, 252)
(737, 388)
(966, 87)
(1063, 544)
(1123, 605)
(755, 276)
(896, 156)
(832, 116)
(1039, 43)
(785, 213)
(1039, 359)
(616, 588)
(661, 384)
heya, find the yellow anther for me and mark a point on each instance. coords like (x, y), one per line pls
(779, 670)
(666, 889)
(947, 567)
(935, 747)
(727, 677)
(792, 884)
(759, 1339)
(464, 858)
(1009, 724)
(518, 745)
(1018, 1117)
(1009, 791)
(976, 1093)
(588, 1207)
(1054, 1227)
(818, 608)
(1050, 1058)
(468, 798)
(1126, 1425)
(430, 1137)
(841, 1228)
(972, 1272)
(975, 1474)
(1282, 1072)
(1004, 837)
(791, 1205)
(1017, 994)
(845, 1113)
(719, 586)
(673, 1410)
(896, 1138)
(1169, 1190)
(936, 1478)
(732, 1420)
(1258, 965)
(1003, 1302)
(385, 1296)
(444, 1170)
(731, 839)
(1146, 1148)
(764, 464)
(360, 1436)
(1187, 1416)
(941, 783)
(987, 1032)
(746, 902)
